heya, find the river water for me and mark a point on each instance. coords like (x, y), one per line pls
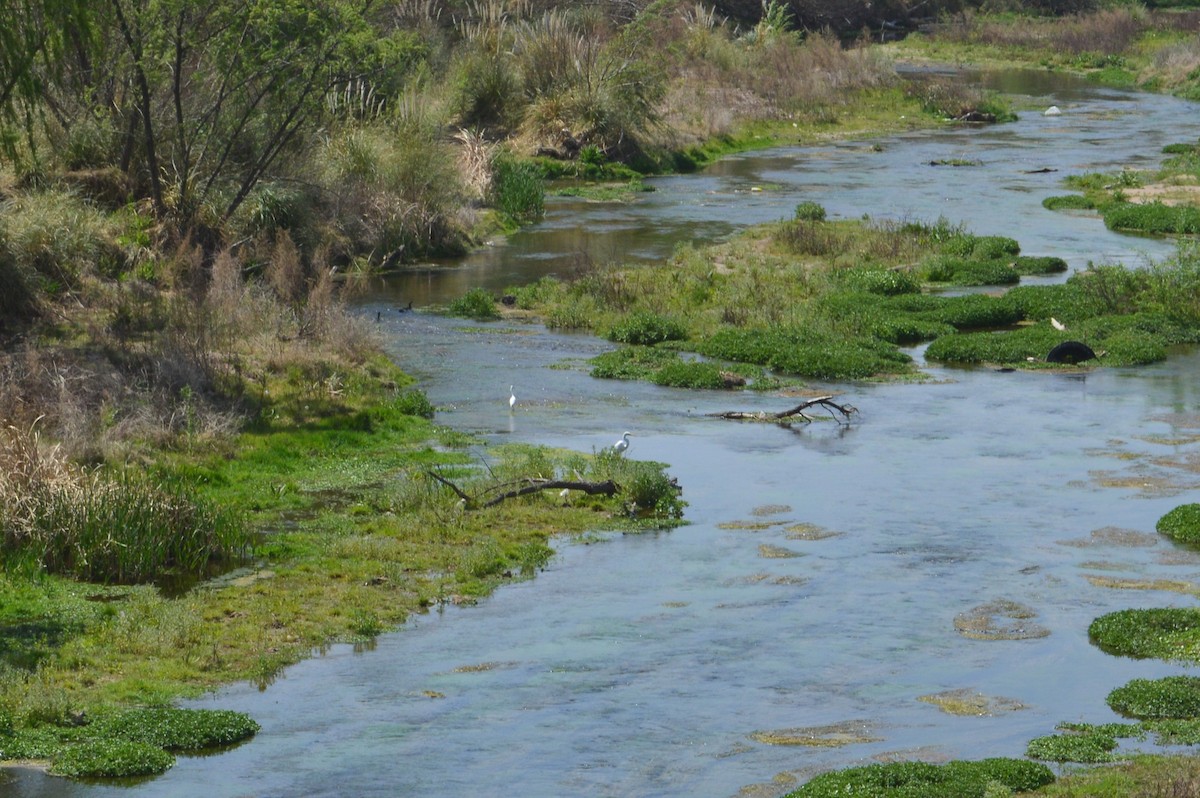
(643, 665)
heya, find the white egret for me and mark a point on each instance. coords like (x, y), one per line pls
(512, 398)
(1056, 324)
(622, 444)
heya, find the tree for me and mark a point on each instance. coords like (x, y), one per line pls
(33, 38)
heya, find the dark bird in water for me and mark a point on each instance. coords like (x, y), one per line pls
(1070, 352)
(378, 316)
(406, 308)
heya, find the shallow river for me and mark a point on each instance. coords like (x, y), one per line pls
(643, 665)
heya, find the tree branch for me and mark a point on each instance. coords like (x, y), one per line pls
(797, 412)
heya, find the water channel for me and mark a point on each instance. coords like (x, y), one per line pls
(643, 665)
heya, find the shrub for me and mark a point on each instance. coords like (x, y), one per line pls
(111, 759)
(1182, 523)
(478, 304)
(957, 779)
(179, 729)
(650, 491)
(517, 189)
(957, 270)
(414, 403)
(810, 212)
(1162, 633)
(966, 245)
(647, 329)
(1176, 697)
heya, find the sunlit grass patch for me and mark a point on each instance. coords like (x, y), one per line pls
(836, 735)
(770, 552)
(1181, 524)
(971, 703)
(1169, 585)
(805, 531)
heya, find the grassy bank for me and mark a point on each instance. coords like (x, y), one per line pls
(1127, 45)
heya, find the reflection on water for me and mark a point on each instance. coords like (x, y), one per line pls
(662, 664)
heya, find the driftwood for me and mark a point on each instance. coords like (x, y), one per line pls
(796, 413)
(529, 485)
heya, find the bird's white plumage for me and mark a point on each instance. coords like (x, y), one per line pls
(512, 398)
(1056, 324)
(622, 444)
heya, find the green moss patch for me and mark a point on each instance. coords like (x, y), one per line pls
(112, 759)
(1181, 524)
(1082, 743)
(179, 729)
(958, 779)
(1162, 633)
(1173, 697)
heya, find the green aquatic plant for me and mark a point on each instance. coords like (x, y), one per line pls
(886, 282)
(957, 779)
(1168, 633)
(1069, 202)
(1092, 745)
(807, 352)
(176, 729)
(1045, 264)
(647, 329)
(1174, 697)
(1181, 524)
(966, 271)
(478, 304)
(111, 759)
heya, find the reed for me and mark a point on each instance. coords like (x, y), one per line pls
(114, 529)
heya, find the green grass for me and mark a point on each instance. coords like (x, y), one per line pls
(1171, 697)
(1171, 634)
(957, 779)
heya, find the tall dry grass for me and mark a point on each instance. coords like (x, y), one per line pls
(1104, 32)
(104, 527)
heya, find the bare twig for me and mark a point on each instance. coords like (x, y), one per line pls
(795, 413)
(606, 488)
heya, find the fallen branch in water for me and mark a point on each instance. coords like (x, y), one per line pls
(529, 485)
(796, 413)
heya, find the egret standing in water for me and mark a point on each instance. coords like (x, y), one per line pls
(512, 399)
(622, 444)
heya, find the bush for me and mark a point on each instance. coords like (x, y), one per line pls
(958, 779)
(966, 245)
(478, 304)
(517, 189)
(1173, 697)
(1161, 633)
(111, 759)
(646, 328)
(179, 729)
(414, 403)
(957, 270)
(810, 212)
(1181, 524)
